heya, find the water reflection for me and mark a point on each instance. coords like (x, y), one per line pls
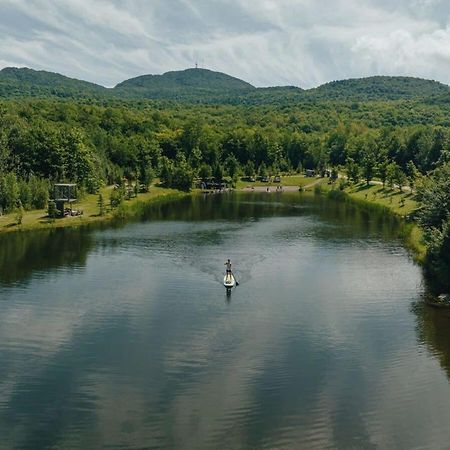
(21, 254)
(143, 348)
(433, 328)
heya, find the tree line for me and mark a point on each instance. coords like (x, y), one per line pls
(93, 145)
(97, 143)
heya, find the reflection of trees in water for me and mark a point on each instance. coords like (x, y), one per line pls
(433, 328)
(246, 206)
(21, 254)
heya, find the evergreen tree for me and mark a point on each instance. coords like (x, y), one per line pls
(101, 205)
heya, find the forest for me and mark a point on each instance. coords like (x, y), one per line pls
(102, 142)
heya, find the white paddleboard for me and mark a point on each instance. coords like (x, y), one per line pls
(229, 281)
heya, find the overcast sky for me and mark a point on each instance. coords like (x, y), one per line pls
(265, 42)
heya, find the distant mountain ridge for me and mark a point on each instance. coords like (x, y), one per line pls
(207, 86)
(184, 85)
(15, 82)
(386, 87)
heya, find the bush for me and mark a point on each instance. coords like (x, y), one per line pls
(19, 213)
(52, 211)
(39, 192)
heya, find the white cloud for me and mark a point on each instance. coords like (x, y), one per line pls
(402, 52)
(266, 42)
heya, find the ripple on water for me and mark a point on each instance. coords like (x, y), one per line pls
(137, 345)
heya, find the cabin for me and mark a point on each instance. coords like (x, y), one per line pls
(310, 173)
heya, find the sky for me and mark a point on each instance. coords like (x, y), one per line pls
(265, 42)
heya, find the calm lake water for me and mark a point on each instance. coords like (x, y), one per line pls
(124, 337)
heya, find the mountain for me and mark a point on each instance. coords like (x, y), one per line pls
(24, 82)
(189, 84)
(206, 86)
(379, 88)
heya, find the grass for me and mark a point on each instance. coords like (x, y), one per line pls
(413, 238)
(38, 219)
(392, 200)
(288, 180)
(401, 203)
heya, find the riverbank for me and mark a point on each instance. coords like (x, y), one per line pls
(374, 195)
(38, 219)
(288, 182)
(394, 201)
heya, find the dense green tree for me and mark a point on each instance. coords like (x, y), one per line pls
(249, 169)
(9, 192)
(262, 170)
(434, 195)
(39, 192)
(353, 170)
(231, 165)
(295, 147)
(391, 173)
(218, 172)
(183, 175)
(4, 152)
(434, 217)
(382, 170)
(337, 146)
(205, 172)
(369, 161)
(411, 174)
(25, 194)
(166, 172)
(399, 178)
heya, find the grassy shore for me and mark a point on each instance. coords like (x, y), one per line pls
(401, 203)
(392, 200)
(38, 219)
(288, 180)
(373, 196)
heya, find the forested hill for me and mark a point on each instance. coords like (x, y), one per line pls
(190, 84)
(379, 88)
(206, 86)
(26, 82)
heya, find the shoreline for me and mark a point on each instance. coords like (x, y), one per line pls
(365, 196)
(36, 220)
(375, 196)
(369, 197)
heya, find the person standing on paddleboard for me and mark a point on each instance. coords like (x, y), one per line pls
(228, 264)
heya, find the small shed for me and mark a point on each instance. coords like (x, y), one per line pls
(64, 193)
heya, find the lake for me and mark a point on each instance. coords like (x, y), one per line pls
(123, 336)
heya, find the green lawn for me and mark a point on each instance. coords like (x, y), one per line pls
(288, 180)
(401, 203)
(38, 218)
